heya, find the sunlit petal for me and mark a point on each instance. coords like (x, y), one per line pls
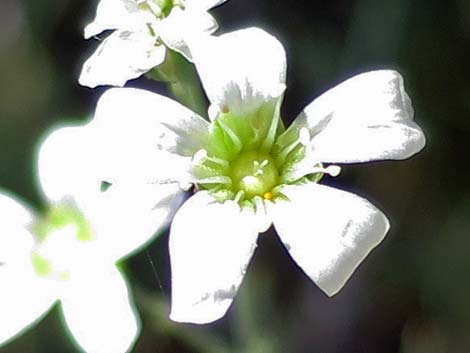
(210, 247)
(24, 299)
(180, 26)
(115, 14)
(99, 312)
(128, 216)
(368, 117)
(328, 232)
(16, 240)
(148, 137)
(122, 56)
(67, 166)
(241, 70)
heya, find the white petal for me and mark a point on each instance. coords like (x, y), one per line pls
(67, 166)
(328, 232)
(180, 26)
(147, 136)
(99, 312)
(210, 247)
(128, 216)
(241, 70)
(122, 56)
(202, 4)
(24, 299)
(16, 240)
(117, 14)
(368, 117)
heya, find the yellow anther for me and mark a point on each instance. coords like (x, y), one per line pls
(268, 196)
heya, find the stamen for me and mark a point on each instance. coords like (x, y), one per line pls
(259, 203)
(219, 161)
(201, 156)
(239, 196)
(303, 139)
(332, 170)
(268, 196)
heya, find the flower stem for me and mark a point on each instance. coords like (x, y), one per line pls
(183, 82)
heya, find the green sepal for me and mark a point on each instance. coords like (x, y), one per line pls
(289, 164)
(275, 125)
(165, 6)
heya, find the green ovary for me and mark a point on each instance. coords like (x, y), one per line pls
(254, 173)
(245, 160)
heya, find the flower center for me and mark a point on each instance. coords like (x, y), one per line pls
(61, 216)
(249, 159)
(254, 173)
(60, 236)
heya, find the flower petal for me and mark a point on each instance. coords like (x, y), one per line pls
(148, 137)
(67, 166)
(241, 70)
(210, 247)
(16, 240)
(328, 232)
(180, 26)
(99, 312)
(368, 117)
(117, 14)
(24, 300)
(122, 56)
(128, 216)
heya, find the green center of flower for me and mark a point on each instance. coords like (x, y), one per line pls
(61, 216)
(250, 157)
(60, 234)
(254, 173)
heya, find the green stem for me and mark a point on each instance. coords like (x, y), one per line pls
(183, 82)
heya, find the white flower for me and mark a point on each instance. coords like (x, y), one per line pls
(69, 254)
(143, 29)
(250, 172)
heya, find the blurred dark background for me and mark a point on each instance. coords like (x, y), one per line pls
(411, 295)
